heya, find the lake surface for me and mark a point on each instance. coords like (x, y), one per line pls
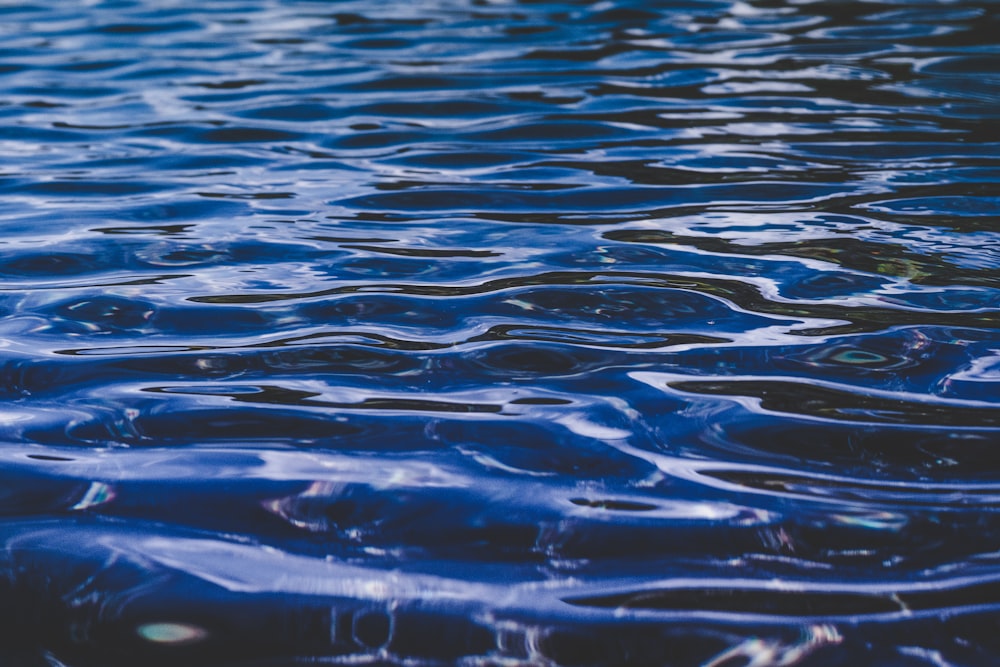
(485, 332)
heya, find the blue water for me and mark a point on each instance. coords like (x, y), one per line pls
(499, 332)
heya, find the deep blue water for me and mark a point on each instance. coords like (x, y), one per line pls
(498, 332)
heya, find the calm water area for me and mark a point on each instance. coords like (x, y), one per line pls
(499, 333)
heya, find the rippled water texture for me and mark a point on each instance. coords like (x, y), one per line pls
(487, 332)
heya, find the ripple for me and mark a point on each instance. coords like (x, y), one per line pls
(831, 402)
(796, 602)
(850, 489)
(498, 333)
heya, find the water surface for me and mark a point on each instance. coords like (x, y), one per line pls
(499, 333)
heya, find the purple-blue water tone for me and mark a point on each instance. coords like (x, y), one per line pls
(499, 332)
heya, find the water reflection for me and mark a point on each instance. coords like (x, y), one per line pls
(487, 332)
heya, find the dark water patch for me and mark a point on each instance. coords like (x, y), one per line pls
(835, 403)
(593, 337)
(294, 113)
(900, 494)
(872, 259)
(146, 28)
(793, 603)
(231, 135)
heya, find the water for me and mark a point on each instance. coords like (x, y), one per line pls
(499, 333)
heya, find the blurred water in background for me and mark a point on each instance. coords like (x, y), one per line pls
(499, 333)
